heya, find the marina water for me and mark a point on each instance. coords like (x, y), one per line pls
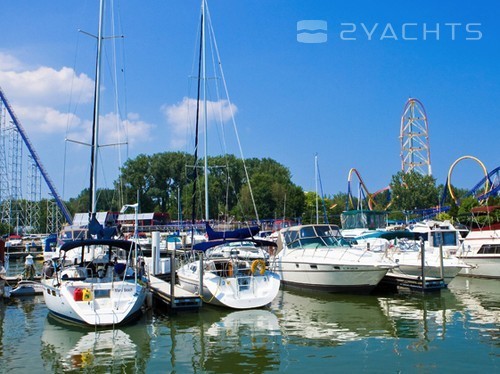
(454, 330)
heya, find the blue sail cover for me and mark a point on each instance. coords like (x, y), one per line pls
(95, 228)
(243, 233)
(203, 246)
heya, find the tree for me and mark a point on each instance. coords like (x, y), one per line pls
(162, 177)
(5, 228)
(411, 191)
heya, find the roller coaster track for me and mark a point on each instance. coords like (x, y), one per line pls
(369, 196)
(36, 159)
(494, 180)
(490, 183)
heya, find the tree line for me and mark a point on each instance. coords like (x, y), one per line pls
(165, 182)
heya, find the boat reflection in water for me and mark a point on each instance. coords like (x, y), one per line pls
(243, 339)
(420, 318)
(481, 302)
(468, 305)
(330, 319)
(251, 322)
(454, 330)
(69, 347)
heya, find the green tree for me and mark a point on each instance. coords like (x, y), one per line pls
(5, 228)
(412, 190)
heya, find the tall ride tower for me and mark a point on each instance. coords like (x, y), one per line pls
(414, 137)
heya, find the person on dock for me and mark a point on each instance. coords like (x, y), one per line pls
(29, 268)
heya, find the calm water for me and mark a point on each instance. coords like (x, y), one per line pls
(456, 330)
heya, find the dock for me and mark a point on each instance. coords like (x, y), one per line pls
(175, 297)
(412, 282)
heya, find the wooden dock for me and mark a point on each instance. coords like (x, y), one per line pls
(181, 299)
(412, 282)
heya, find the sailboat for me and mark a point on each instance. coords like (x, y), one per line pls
(230, 269)
(104, 284)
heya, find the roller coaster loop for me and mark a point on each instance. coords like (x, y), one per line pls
(485, 179)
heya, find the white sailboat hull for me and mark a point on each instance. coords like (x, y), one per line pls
(236, 292)
(108, 303)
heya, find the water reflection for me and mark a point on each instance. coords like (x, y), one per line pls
(323, 319)
(218, 340)
(481, 301)
(299, 331)
(419, 315)
(67, 347)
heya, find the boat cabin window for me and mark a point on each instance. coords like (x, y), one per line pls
(73, 235)
(327, 231)
(290, 236)
(447, 238)
(489, 249)
(307, 232)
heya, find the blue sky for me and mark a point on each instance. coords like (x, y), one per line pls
(342, 99)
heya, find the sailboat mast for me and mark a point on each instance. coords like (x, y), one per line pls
(95, 123)
(316, 185)
(195, 172)
(205, 121)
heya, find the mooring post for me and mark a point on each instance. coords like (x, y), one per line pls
(172, 279)
(422, 258)
(201, 274)
(441, 269)
(155, 251)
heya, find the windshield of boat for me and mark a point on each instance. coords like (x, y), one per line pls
(76, 234)
(315, 236)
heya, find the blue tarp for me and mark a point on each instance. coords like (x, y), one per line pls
(243, 233)
(203, 246)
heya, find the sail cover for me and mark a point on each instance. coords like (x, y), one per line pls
(246, 232)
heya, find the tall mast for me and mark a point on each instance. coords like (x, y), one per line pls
(316, 185)
(95, 123)
(195, 170)
(205, 121)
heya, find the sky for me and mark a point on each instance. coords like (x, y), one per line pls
(337, 92)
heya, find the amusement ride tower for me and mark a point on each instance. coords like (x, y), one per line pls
(414, 137)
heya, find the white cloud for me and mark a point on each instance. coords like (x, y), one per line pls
(39, 97)
(9, 63)
(112, 129)
(47, 120)
(181, 117)
(46, 86)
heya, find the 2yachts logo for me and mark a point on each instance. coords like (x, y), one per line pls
(314, 31)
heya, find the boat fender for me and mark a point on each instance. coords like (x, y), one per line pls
(86, 294)
(78, 294)
(259, 265)
(229, 269)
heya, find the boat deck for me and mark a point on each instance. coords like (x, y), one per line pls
(175, 297)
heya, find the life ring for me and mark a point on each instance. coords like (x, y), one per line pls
(258, 264)
(229, 269)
